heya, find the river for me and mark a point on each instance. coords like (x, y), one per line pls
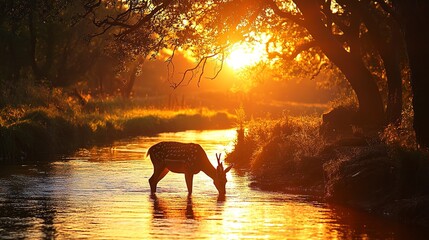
(103, 193)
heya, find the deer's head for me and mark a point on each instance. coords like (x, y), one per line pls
(220, 180)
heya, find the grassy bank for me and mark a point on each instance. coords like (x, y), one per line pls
(280, 154)
(30, 133)
(377, 172)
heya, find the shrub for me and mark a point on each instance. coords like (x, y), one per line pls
(402, 134)
(282, 150)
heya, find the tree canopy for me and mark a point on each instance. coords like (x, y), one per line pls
(376, 45)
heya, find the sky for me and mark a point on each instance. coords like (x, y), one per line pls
(234, 86)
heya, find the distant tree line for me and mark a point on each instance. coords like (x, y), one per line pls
(53, 43)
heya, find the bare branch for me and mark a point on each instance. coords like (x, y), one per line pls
(202, 71)
(220, 69)
(121, 20)
(191, 73)
(110, 21)
(169, 62)
(100, 33)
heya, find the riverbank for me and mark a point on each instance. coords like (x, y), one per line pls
(368, 171)
(40, 133)
(93, 191)
(386, 180)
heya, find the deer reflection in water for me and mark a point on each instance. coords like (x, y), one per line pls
(187, 158)
(190, 209)
(160, 209)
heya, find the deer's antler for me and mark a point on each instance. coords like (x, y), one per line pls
(218, 157)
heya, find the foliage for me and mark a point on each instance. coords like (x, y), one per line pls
(402, 134)
(282, 154)
(125, 33)
(304, 39)
(290, 139)
(51, 43)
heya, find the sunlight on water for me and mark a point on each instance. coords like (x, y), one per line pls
(103, 193)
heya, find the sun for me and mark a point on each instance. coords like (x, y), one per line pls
(243, 55)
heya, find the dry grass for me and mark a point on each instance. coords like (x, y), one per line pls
(62, 124)
(281, 153)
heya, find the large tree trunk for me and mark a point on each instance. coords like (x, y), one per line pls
(394, 82)
(370, 103)
(415, 26)
(387, 41)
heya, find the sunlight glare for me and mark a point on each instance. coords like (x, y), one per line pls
(245, 54)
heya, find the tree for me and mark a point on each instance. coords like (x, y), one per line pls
(347, 59)
(339, 29)
(383, 42)
(346, 32)
(140, 29)
(44, 41)
(414, 23)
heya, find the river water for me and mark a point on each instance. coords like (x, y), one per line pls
(103, 193)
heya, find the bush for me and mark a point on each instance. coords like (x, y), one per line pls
(282, 152)
(402, 134)
(364, 176)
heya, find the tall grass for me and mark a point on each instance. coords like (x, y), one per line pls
(383, 172)
(290, 151)
(59, 123)
(280, 151)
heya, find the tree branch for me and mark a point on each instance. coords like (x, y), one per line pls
(169, 62)
(319, 69)
(284, 14)
(146, 18)
(327, 11)
(218, 70)
(303, 47)
(201, 65)
(299, 49)
(90, 6)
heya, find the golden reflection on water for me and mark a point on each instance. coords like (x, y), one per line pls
(103, 193)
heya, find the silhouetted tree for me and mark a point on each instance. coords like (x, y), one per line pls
(386, 43)
(361, 38)
(415, 28)
(317, 18)
(44, 41)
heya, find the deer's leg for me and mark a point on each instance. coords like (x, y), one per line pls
(154, 179)
(163, 173)
(189, 177)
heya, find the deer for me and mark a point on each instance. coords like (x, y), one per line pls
(186, 158)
